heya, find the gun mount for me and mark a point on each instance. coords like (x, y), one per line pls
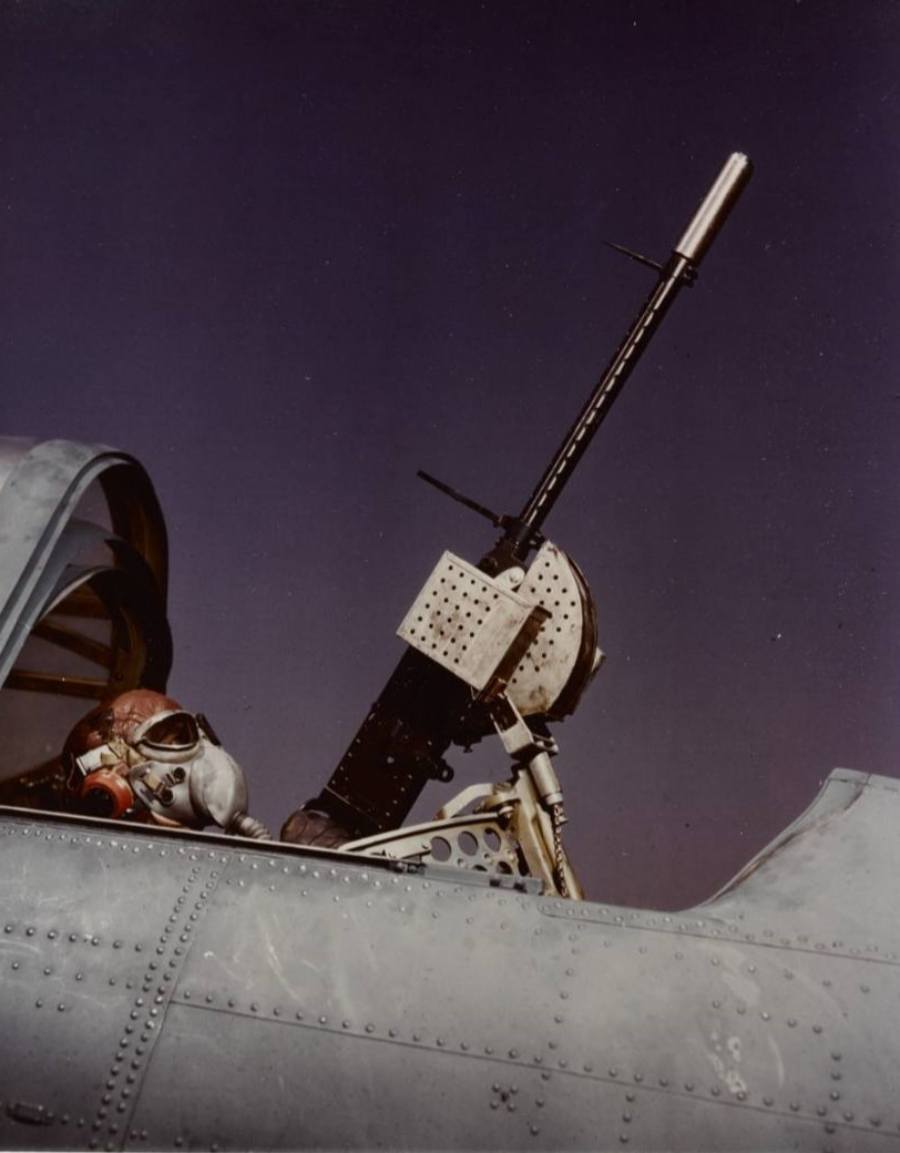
(501, 647)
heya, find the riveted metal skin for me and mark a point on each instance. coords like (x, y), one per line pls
(169, 990)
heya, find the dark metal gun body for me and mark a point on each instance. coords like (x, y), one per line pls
(423, 709)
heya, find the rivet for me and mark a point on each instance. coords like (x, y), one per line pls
(715, 1090)
(689, 1086)
(834, 1095)
(629, 1096)
(626, 1117)
(613, 1071)
(741, 1095)
(767, 1101)
(817, 1028)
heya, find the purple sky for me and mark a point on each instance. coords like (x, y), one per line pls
(287, 253)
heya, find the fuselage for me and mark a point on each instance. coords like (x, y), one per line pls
(177, 990)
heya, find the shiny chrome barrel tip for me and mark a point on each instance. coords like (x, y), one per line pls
(714, 210)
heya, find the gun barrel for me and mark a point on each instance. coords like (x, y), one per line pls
(714, 210)
(679, 270)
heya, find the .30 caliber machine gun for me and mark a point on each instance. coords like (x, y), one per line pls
(502, 646)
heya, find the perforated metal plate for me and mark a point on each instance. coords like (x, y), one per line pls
(466, 621)
(544, 670)
(480, 842)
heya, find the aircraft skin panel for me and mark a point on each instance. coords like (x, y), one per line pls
(832, 865)
(219, 992)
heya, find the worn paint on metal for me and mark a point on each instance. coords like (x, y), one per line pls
(198, 990)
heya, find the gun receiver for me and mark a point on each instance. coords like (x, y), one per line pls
(424, 707)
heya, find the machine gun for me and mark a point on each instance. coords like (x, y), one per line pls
(500, 647)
